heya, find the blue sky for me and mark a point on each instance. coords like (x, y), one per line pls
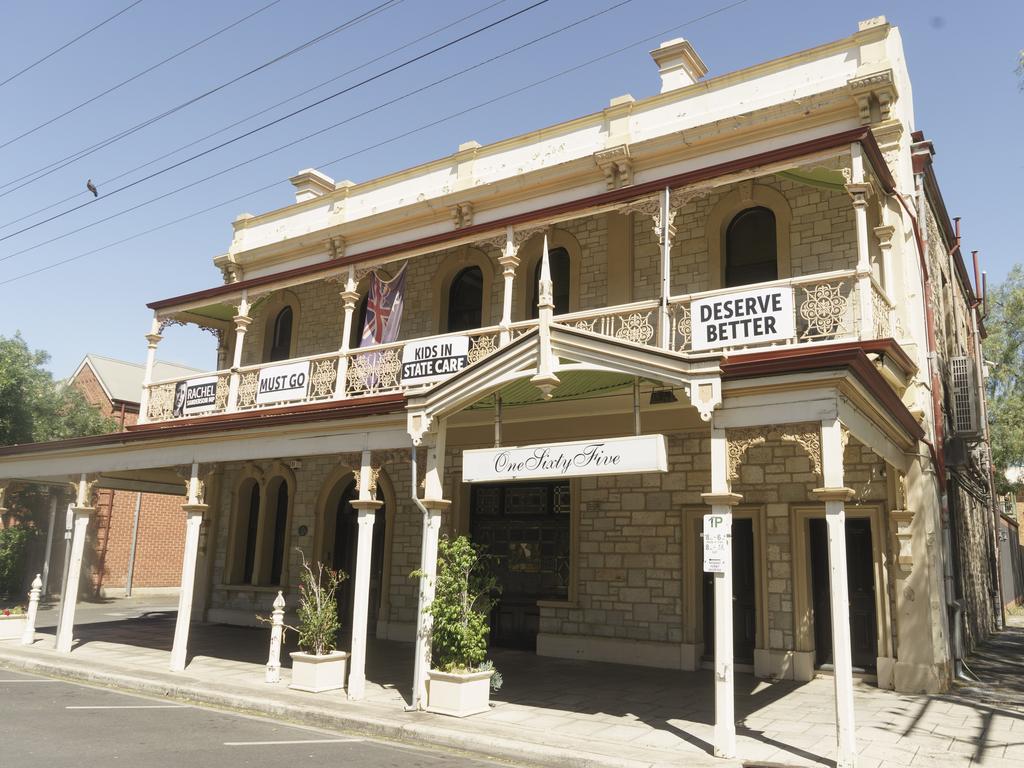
(962, 58)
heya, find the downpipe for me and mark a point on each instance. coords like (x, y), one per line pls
(415, 703)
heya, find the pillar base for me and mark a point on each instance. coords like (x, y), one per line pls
(783, 665)
(920, 678)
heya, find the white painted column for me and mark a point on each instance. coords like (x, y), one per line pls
(349, 300)
(665, 233)
(722, 501)
(859, 191)
(433, 507)
(835, 495)
(152, 340)
(194, 509)
(82, 513)
(509, 261)
(49, 541)
(366, 507)
(242, 322)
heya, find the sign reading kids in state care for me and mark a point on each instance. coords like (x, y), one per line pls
(431, 360)
(282, 383)
(742, 317)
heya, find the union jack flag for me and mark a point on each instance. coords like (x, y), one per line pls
(384, 304)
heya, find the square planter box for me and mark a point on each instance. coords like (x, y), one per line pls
(318, 673)
(11, 627)
(459, 695)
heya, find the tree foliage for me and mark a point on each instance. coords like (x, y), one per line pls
(1004, 354)
(35, 408)
(464, 594)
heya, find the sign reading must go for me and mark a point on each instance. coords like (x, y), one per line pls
(581, 458)
(742, 317)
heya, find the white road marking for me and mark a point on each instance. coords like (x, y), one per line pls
(130, 707)
(31, 681)
(296, 741)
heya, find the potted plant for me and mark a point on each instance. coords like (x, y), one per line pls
(318, 666)
(12, 623)
(460, 678)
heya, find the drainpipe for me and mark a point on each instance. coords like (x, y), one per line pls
(131, 552)
(415, 495)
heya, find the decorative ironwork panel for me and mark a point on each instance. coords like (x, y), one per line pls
(248, 386)
(161, 402)
(321, 382)
(370, 373)
(220, 402)
(481, 347)
(826, 311)
(882, 312)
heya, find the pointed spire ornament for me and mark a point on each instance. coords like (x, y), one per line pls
(545, 379)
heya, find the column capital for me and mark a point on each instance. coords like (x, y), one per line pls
(242, 322)
(833, 494)
(436, 505)
(859, 191)
(153, 339)
(195, 509)
(726, 498)
(366, 506)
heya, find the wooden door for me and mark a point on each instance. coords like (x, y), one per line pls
(525, 528)
(861, 585)
(744, 597)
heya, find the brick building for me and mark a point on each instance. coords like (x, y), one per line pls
(741, 298)
(131, 530)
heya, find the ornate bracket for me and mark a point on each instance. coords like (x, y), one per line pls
(462, 214)
(651, 206)
(336, 246)
(808, 437)
(739, 441)
(878, 88)
(616, 165)
(374, 477)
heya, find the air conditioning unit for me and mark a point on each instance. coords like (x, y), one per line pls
(966, 411)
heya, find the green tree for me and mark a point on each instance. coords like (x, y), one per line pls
(1004, 353)
(34, 407)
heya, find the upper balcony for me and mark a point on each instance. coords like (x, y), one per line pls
(614, 273)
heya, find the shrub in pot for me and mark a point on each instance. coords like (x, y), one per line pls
(318, 666)
(461, 678)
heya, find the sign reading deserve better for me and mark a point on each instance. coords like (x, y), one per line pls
(195, 396)
(283, 383)
(612, 456)
(432, 360)
(742, 317)
(717, 530)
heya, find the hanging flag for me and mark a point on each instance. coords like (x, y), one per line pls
(384, 304)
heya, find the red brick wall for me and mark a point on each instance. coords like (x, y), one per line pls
(159, 546)
(87, 382)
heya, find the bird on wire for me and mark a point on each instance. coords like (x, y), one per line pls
(92, 188)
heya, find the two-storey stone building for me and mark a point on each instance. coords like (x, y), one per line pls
(745, 291)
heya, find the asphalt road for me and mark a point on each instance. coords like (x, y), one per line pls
(46, 723)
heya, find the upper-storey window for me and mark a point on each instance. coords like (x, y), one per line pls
(281, 335)
(465, 300)
(558, 259)
(751, 254)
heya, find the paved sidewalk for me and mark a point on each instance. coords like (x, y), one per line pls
(551, 711)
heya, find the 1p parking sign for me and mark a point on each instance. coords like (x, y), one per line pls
(717, 529)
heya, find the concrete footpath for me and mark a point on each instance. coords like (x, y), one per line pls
(551, 711)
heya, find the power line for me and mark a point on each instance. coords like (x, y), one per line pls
(46, 170)
(175, 151)
(288, 116)
(136, 76)
(54, 52)
(293, 142)
(385, 142)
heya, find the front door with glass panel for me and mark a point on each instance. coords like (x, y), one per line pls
(525, 528)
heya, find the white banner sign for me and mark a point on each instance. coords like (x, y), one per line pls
(742, 317)
(281, 383)
(195, 396)
(612, 456)
(717, 529)
(432, 360)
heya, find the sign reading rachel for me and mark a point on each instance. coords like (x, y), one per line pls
(611, 456)
(282, 383)
(195, 396)
(432, 360)
(742, 317)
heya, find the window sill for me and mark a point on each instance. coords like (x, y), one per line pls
(557, 604)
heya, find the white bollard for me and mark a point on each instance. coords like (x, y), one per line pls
(276, 631)
(29, 635)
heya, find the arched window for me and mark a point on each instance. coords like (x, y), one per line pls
(281, 336)
(280, 531)
(252, 524)
(465, 300)
(751, 253)
(558, 260)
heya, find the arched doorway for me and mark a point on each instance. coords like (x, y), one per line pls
(340, 548)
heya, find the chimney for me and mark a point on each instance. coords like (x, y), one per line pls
(310, 183)
(678, 64)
